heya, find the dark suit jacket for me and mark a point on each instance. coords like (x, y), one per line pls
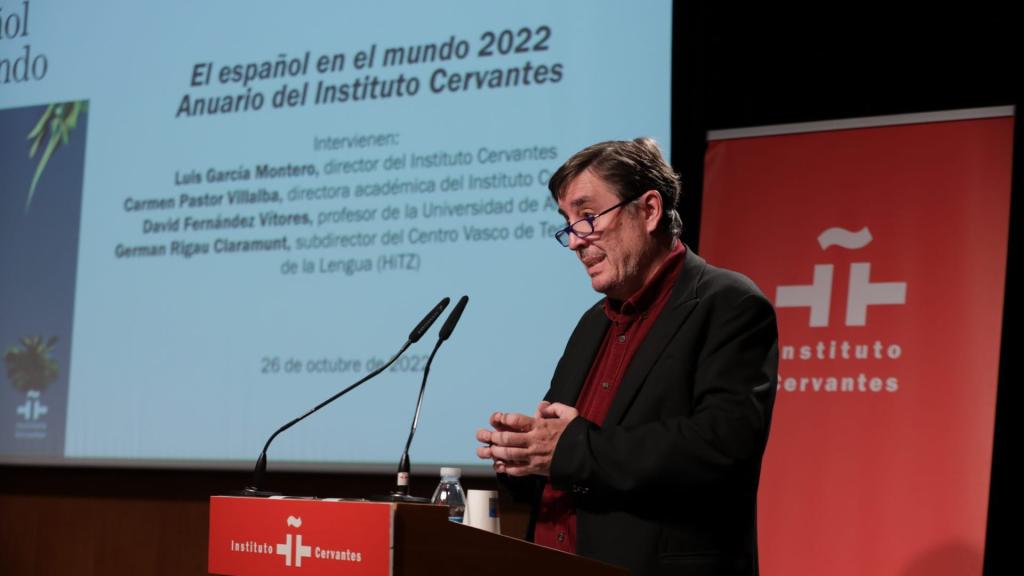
(668, 485)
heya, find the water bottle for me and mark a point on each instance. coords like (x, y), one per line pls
(449, 493)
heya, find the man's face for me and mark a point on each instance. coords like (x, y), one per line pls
(613, 255)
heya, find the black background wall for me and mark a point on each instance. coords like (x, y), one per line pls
(735, 66)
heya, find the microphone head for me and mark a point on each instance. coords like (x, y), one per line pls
(453, 318)
(428, 320)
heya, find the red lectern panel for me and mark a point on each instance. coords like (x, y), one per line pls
(270, 536)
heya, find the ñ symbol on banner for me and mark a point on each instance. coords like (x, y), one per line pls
(862, 291)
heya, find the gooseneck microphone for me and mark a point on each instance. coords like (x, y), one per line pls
(414, 336)
(401, 491)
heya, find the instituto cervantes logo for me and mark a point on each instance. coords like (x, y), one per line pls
(862, 291)
(293, 549)
(33, 408)
(831, 350)
(31, 369)
(296, 552)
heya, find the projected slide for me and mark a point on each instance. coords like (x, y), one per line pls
(217, 214)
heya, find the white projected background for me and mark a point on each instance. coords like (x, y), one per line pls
(274, 194)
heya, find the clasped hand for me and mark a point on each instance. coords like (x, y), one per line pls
(520, 445)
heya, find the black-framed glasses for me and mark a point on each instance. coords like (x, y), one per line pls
(585, 226)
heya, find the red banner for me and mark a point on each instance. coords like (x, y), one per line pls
(884, 250)
(289, 536)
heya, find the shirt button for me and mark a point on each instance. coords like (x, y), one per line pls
(604, 385)
(561, 537)
(622, 338)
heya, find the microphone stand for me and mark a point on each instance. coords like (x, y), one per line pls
(414, 336)
(261, 463)
(401, 491)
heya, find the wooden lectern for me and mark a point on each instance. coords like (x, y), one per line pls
(255, 536)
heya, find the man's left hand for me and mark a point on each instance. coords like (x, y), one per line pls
(520, 445)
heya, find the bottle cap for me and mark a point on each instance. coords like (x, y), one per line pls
(447, 471)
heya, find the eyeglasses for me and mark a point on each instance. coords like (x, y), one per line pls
(584, 226)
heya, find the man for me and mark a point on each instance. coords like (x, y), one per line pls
(646, 450)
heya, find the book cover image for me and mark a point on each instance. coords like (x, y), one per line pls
(42, 162)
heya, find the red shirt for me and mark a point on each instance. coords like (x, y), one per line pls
(630, 322)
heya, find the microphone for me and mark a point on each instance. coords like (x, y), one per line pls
(415, 335)
(453, 319)
(428, 321)
(401, 491)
